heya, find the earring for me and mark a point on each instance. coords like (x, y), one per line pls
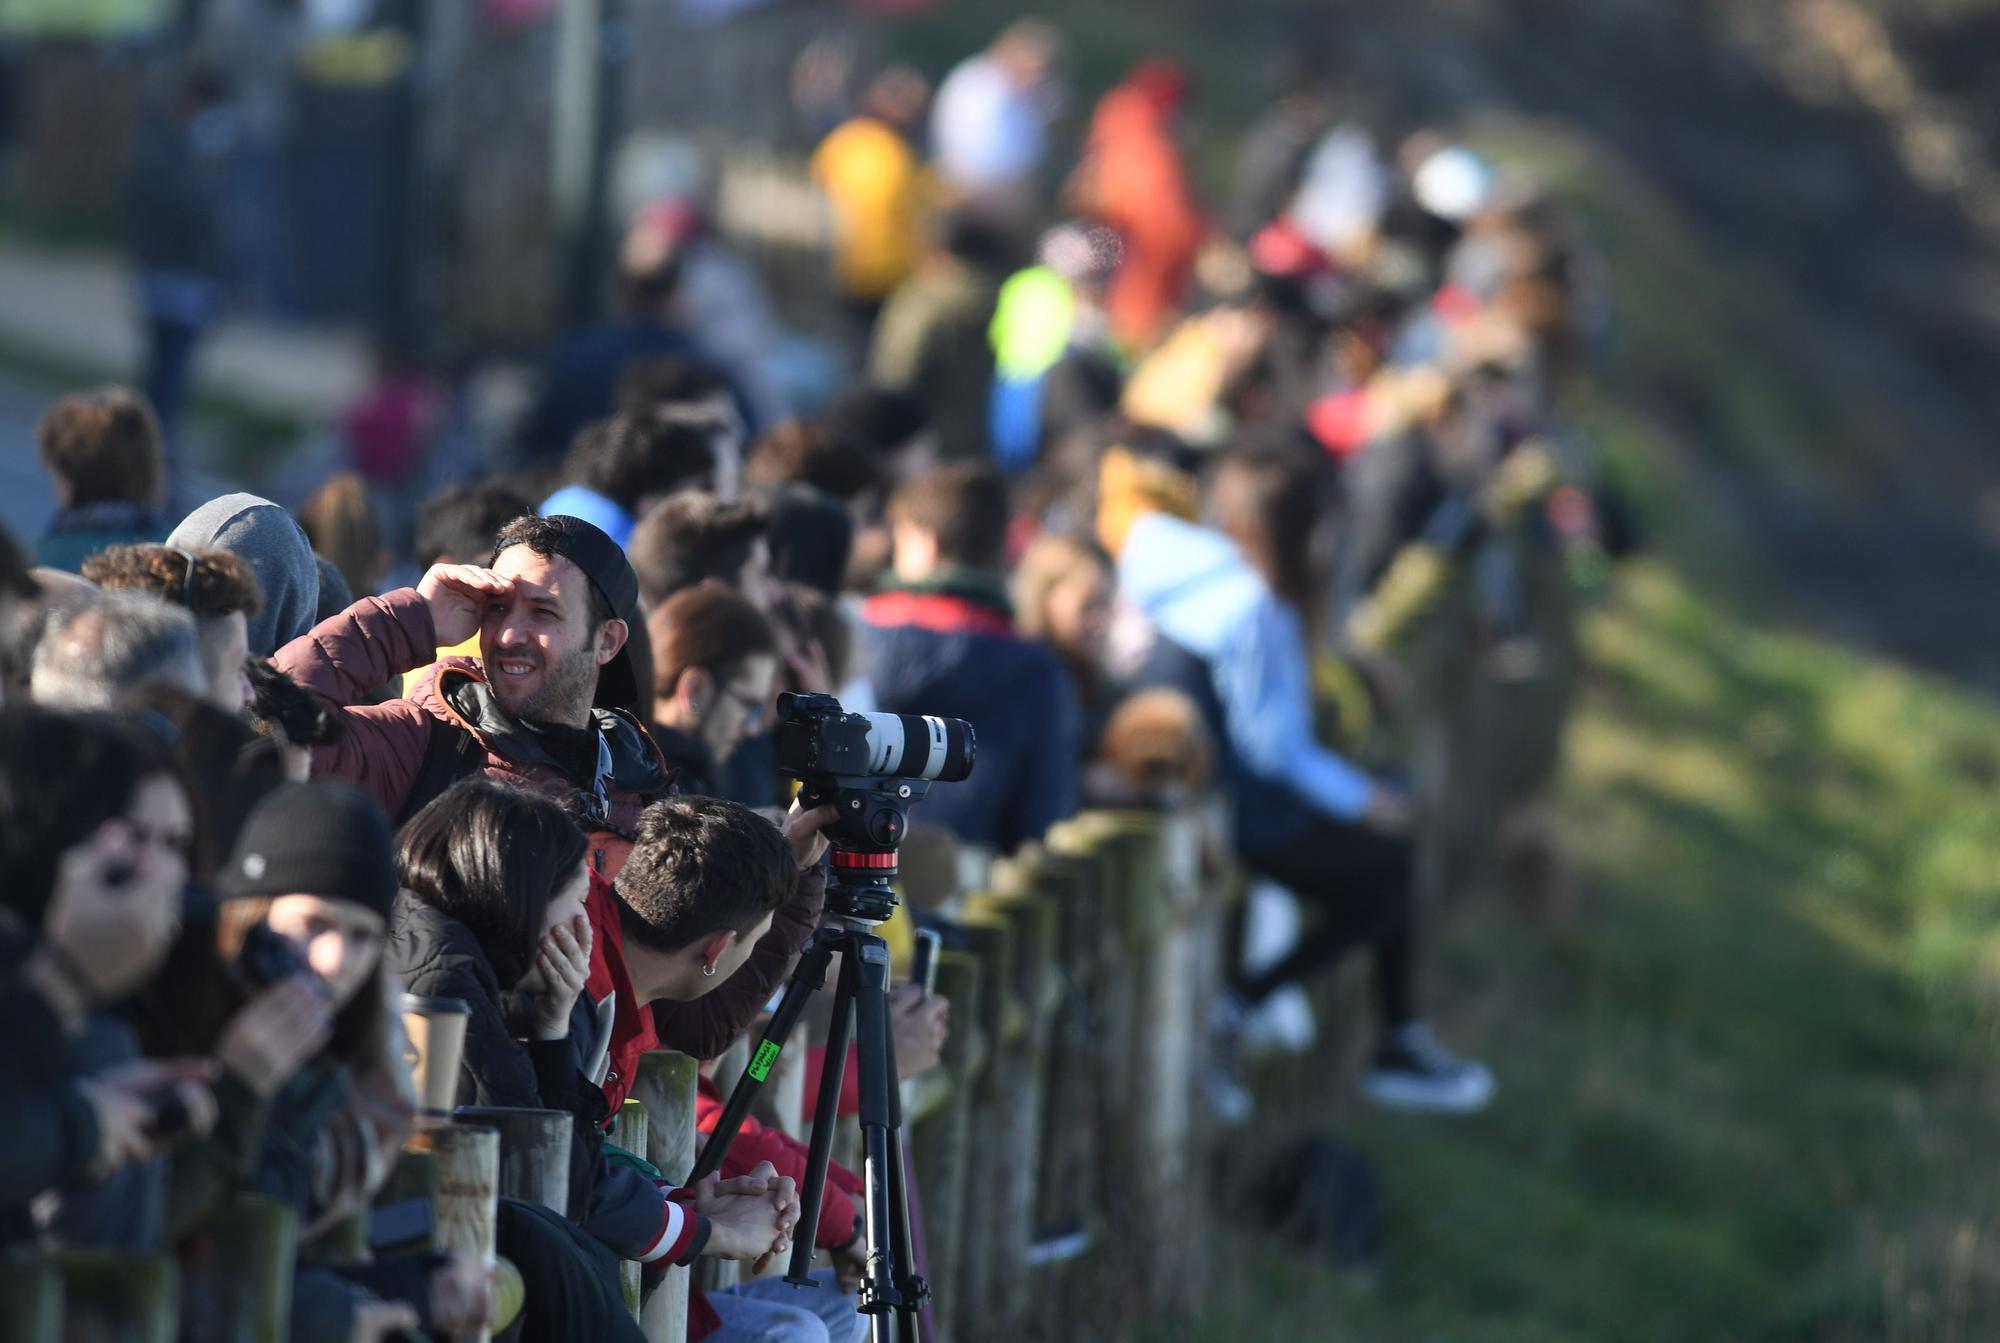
(708, 969)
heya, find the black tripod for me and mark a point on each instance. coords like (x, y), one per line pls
(858, 898)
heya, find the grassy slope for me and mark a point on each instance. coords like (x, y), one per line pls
(1746, 1089)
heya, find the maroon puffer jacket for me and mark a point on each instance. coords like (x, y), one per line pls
(375, 641)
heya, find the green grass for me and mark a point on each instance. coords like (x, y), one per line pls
(1747, 1087)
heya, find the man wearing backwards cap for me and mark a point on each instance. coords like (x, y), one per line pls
(544, 706)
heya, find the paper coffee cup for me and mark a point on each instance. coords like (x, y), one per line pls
(436, 1029)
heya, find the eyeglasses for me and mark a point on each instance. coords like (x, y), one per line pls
(754, 706)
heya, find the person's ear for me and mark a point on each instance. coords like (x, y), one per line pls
(713, 950)
(695, 692)
(611, 637)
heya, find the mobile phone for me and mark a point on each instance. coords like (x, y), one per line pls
(406, 1224)
(923, 965)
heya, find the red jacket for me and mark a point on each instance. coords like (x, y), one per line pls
(758, 1142)
(710, 1024)
(838, 1216)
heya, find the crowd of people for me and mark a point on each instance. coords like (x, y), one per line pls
(1160, 500)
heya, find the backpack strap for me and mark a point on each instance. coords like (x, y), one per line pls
(450, 755)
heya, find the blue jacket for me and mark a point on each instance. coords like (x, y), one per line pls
(1200, 591)
(955, 655)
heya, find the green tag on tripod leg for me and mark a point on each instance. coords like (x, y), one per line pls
(767, 1054)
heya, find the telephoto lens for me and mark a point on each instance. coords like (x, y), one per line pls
(816, 738)
(919, 746)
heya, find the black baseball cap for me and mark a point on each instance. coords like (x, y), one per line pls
(603, 562)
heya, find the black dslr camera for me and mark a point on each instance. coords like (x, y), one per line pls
(871, 767)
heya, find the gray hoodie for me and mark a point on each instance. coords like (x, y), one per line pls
(273, 544)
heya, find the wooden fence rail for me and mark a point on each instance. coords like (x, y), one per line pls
(1055, 1149)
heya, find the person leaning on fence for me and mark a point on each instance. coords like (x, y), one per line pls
(1231, 636)
(313, 867)
(90, 892)
(492, 914)
(541, 706)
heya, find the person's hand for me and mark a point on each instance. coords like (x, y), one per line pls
(273, 1034)
(921, 1024)
(803, 828)
(461, 1294)
(375, 1321)
(122, 1120)
(114, 912)
(126, 1100)
(564, 962)
(850, 1263)
(753, 1216)
(457, 595)
(1388, 810)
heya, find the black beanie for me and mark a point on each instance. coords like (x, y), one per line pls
(324, 839)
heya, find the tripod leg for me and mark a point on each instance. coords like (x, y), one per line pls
(913, 1290)
(878, 1117)
(826, 1114)
(809, 975)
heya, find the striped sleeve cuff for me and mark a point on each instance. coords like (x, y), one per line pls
(678, 1227)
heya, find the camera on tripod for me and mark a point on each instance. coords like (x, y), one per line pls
(870, 767)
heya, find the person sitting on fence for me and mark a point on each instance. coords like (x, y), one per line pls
(492, 913)
(1227, 606)
(102, 451)
(540, 706)
(216, 587)
(91, 876)
(941, 640)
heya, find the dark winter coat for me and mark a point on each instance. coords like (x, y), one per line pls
(955, 654)
(436, 955)
(387, 746)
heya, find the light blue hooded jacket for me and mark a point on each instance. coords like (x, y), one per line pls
(1201, 592)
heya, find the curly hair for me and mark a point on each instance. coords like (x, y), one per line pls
(209, 583)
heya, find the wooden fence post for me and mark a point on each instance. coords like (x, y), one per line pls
(629, 1131)
(666, 1084)
(240, 1285)
(112, 1297)
(468, 1187)
(534, 1151)
(1000, 1022)
(940, 1134)
(33, 1290)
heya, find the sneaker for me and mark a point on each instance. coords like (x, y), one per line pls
(1281, 1024)
(1412, 1071)
(1222, 1080)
